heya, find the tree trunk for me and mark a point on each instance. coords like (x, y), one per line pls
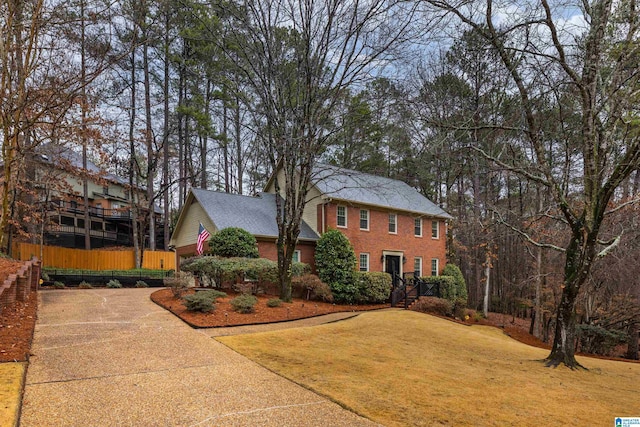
(165, 133)
(632, 350)
(149, 140)
(132, 159)
(487, 283)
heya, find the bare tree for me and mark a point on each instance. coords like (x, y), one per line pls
(298, 57)
(590, 73)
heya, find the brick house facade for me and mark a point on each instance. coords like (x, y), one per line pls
(391, 226)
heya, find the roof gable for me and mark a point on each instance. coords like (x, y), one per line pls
(363, 188)
(253, 214)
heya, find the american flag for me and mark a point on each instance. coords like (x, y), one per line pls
(203, 235)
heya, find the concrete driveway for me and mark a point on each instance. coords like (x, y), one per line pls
(111, 357)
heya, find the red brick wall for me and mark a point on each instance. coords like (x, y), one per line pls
(378, 239)
(267, 249)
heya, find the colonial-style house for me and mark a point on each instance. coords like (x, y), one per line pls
(391, 226)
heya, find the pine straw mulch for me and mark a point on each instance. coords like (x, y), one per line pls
(224, 315)
(17, 321)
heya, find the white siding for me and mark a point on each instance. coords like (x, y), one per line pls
(187, 231)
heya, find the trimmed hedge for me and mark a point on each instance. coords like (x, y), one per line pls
(227, 271)
(234, 242)
(373, 287)
(244, 303)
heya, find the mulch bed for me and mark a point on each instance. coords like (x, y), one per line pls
(17, 323)
(224, 315)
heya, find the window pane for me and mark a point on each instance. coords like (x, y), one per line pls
(392, 223)
(342, 216)
(434, 267)
(434, 229)
(417, 266)
(296, 256)
(364, 262)
(418, 226)
(364, 219)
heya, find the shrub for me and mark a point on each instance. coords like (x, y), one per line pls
(114, 283)
(141, 284)
(598, 340)
(274, 302)
(58, 285)
(179, 283)
(45, 276)
(234, 242)
(433, 305)
(225, 271)
(336, 264)
(85, 285)
(452, 270)
(459, 308)
(213, 293)
(373, 286)
(244, 303)
(310, 286)
(200, 301)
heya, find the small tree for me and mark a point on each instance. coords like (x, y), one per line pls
(234, 242)
(336, 265)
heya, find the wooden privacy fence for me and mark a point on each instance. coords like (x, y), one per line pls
(57, 257)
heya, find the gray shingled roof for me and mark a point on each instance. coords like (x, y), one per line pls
(257, 215)
(360, 187)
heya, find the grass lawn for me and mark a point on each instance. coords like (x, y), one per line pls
(403, 368)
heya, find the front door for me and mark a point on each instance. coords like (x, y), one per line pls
(392, 266)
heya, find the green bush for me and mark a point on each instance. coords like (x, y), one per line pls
(213, 293)
(226, 271)
(45, 276)
(141, 284)
(452, 270)
(446, 284)
(244, 303)
(85, 285)
(58, 285)
(597, 340)
(373, 287)
(200, 301)
(114, 283)
(336, 264)
(274, 302)
(310, 286)
(234, 242)
(433, 305)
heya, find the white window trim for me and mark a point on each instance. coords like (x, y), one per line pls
(395, 223)
(421, 227)
(437, 266)
(368, 219)
(365, 254)
(437, 237)
(418, 258)
(298, 254)
(346, 219)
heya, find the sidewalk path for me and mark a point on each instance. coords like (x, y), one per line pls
(111, 357)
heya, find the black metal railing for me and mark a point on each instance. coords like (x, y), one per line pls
(409, 288)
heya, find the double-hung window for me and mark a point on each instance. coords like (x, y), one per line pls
(434, 267)
(364, 262)
(341, 216)
(364, 219)
(417, 227)
(417, 266)
(435, 230)
(393, 224)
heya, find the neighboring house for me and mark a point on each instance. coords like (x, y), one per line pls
(391, 226)
(216, 210)
(58, 178)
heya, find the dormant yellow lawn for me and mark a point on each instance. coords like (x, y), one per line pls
(403, 368)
